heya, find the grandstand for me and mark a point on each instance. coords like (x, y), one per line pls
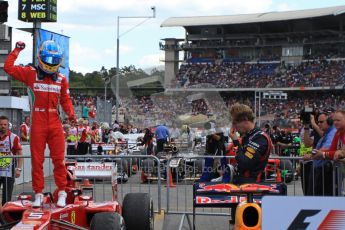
(299, 53)
(286, 50)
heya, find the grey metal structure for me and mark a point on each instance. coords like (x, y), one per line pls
(117, 88)
(5, 48)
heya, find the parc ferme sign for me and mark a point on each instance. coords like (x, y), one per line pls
(291, 213)
(37, 10)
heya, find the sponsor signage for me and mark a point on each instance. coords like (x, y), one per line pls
(47, 88)
(37, 10)
(96, 170)
(205, 200)
(280, 212)
(106, 147)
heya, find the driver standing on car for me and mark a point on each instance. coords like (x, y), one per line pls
(47, 88)
(252, 155)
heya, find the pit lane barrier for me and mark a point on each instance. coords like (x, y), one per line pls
(279, 169)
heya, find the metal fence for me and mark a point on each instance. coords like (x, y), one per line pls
(173, 192)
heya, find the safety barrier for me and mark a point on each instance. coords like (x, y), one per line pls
(279, 169)
(179, 172)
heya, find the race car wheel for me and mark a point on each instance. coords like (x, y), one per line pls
(107, 221)
(137, 210)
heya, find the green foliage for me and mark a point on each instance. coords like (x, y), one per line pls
(96, 78)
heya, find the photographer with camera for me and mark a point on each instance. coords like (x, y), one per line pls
(215, 145)
(310, 133)
(284, 143)
(319, 172)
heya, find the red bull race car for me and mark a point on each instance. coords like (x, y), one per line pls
(81, 211)
(243, 200)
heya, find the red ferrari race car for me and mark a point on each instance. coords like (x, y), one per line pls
(81, 212)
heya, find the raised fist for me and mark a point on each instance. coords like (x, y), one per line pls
(20, 45)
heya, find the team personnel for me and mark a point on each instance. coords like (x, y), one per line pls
(84, 137)
(47, 88)
(9, 167)
(215, 146)
(25, 130)
(72, 139)
(162, 135)
(252, 155)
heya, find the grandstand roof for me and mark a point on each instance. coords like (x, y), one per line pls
(252, 18)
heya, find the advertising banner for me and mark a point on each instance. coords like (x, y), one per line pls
(280, 212)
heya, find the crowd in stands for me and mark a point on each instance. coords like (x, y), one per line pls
(81, 99)
(199, 107)
(170, 107)
(309, 73)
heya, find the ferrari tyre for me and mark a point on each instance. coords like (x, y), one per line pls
(107, 221)
(137, 210)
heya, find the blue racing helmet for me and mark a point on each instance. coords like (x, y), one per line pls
(50, 57)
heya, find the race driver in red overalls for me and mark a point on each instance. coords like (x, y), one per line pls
(47, 88)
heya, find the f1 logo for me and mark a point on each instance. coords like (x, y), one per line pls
(298, 222)
(335, 219)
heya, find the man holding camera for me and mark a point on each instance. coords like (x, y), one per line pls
(214, 146)
(319, 172)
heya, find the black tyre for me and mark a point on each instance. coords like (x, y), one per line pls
(137, 210)
(107, 221)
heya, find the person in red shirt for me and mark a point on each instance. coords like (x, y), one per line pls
(25, 130)
(85, 139)
(9, 167)
(92, 114)
(47, 88)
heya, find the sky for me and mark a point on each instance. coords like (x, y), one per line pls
(92, 27)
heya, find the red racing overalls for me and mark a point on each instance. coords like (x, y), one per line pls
(45, 95)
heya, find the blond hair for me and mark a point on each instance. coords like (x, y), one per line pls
(241, 112)
(340, 111)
